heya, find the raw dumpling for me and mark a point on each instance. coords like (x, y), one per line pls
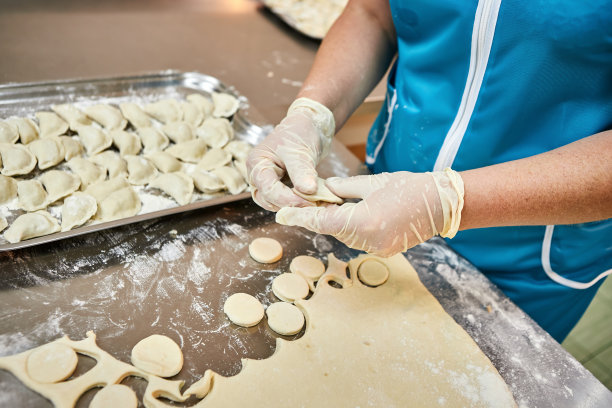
(72, 147)
(206, 182)
(140, 170)
(166, 110)
(214, 158)
(103, 189)
(216, 132)
(137, 117)
(72, 115)
(231, 178)
(9, 133)
(239, 149)
(95, 140)
(87, 171)
(119, 204)
(77, 209)
(152, 139)
(3, 223)
(204, 104)
(225, 105)
(48, 151)
(165, 162)
(8, 189)
(28, 131)
(178, 131)
(50, 124)
(126, 142)
(59, 184)
(32, 195)
(107, 116)
(191, 151)
(16, 159)
(177, 185)
(31, 225)
(241, 167)
(192, 114)
(112, 162)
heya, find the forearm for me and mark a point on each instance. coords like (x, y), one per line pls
(352, 58)
(568, 185)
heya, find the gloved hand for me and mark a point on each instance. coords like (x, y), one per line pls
(397, 210)
(296, 146)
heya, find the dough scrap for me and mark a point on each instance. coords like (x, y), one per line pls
(285, 318)
(126, 142)
(290, 287)
(225, 105)
(8, 189)
(135, 115)
(78, 208)
(28, 131)
(107, 116)
(51, 363)
(243, 309)
(59, 184)
(323, 194)
(265, 250)
(16, 159)
(71, 114)
(48, 151)
(115, 396)
(31, 225)
(372, 272)
(50, 124)
(201, 387)
(177, 185)
(158, 355)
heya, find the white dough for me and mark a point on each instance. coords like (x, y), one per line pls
(164, 161)
(192, 114)
(165, 111)
(206, 182)
(137, 117)
(152, 139)
(114, 396)
(72, 147)
(225, 105)
(307, 267)
(77, 209)
(51, 363)
(107, 116)
(243, 309)
(216, 132)
(179, 131)
(119, 204)
(265, 250)
(239, 149)
(16, 159)
(241, 167)
(126, 142)
(372, 272)
(48, 151)
(204, 104)
(32, 195)
(322, 195)
(102, 189)
(8, 189)
(140, 170)
(214, 158)
(95, 140)
(9, 133)
(112, 162)
(50, 124)
(87, 171)
(31, 225)
(290, 287)
(190, 151)
(72, 115)
(28, 131)
(3, 223)
(59, 184)
(178, 185)
(284, 318)
(231, 178)
(158, 355)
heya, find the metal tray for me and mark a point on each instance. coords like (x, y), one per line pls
(24, 99)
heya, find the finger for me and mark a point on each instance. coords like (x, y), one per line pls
(357, 186)
(299, 160)
(262, 202)
(328, 220)
(271, 193)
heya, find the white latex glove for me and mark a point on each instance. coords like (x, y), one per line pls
(397, 210)
(295, 146)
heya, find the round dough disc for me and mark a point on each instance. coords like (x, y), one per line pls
(243, 309)
(290, 287)
(285, 318)
(158, 355)
(307, 266)
(373, 273)
(265, 250)
(116, 396)
(51, 363)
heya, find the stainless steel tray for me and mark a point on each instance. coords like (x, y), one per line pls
(24, 99)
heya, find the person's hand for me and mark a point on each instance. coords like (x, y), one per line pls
(397, 210)
(295, 146)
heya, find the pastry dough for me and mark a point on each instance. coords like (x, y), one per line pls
(137, 117)
(214, 158)
(152, 139)
(48, 151)
(50, 124)
(28, 131)
(8, 189)
(126, 142)
(192, 114)
(72, 115)
(225, 105)
(191, 151)
(95, 140)
(206, 182)
(16, 159)
(87, 171)
(119, 204)
(284, 318)
(243, 309)
(178, 185)
(165, 162)
(232, 179)
(31, 225)
(178, 131)
(9, 133)
(107, 116)
(372, 272)
(290, 287)
(59, 184)
(115, 396)
(322, 195)
(308, 268)
(78, 208)
(112, 162)
(204, 104)
(140, 170)
(165, 111)
(158, 355)
(72, 147)
(51, 363)
(32, 195)
(265, 250)
(216, 132)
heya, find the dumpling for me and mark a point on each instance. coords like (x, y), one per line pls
(72, 147)
(59, 184)
(242, 169)
(48, 151)
(216, 132)
(178, 131)
(50, 124)
(165, 162)
(191, 151)
(140, 170)
(225, 105)
(8, 189)
(103, 189)
(177, 185)
(107, 116)
(152, 139)
(95, 140)
(88, 172)
(112, 162)
(9, 133)
(192, 114)
(165, 111)
(72, 115)
(126, 142)
(77, 209)
(32, 195)
(16, 159)
(206, 182)
(119, 204)
(231, 178)
(31, 225)
(204, 104)
(137, 117)
(214, 158)
(28, 131)
(3, 223)
(239, 149)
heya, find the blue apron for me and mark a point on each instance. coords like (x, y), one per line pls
(480, 83)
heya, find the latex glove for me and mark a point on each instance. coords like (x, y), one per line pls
(397, 210)
(295, 146)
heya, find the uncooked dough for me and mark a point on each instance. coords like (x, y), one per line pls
(158, 355)
(51, 363)
(265, 250)
(285, 318)
(372, 272)
(114, 396)
(77, 209)
(323, 194)
(243, 309)
(290, 287)
(307, 266)
(31, 225)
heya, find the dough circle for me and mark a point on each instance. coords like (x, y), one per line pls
(114, 396)
(372, 272)
(51, 363)
(158, 355)
(265, 250)
(307, 266)
(285, 318)
(243, 309)
(290, 287)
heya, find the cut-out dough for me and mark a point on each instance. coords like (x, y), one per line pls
(112, 162)
(204, 104)
(164, 161)
(28, 131)
(72, 147)
(243, 309)
(201, 387)
(372, 272)
(78, 208)
(190, 151)
(72, 115)
(323, 194)
(126, 142)
(216, 132)
(285, 318)
(32, 195)
(225, 105)
(231, 178)
(192, 114)
(140, 170)
(107, 116)
(31, 225)
(336, 272)
(59, 184)
(48, 151)
(206, 182)
(239, 149)
(135, 115)
(158, 355)
(177, 185)
(179, 131)
(8, 189)
(95, 140)
(88, 172)
(16, 159)
(115, 396)
(152, 139)
(51, 363)
(119, 204)
(50, 124)
(290, 287)
(308, 268)
(9, 133)
(165, 111)
(265, 250)
(214, 158)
